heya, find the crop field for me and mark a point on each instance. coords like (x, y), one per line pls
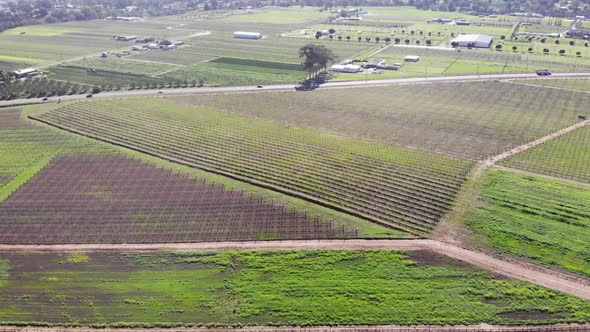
(100, 77)
(573, 84)
(408, 190)
(567, 157)
(298, 288)
(112, 199)
(233, 71)
(470, 120)
(25, 149)
(537, 218)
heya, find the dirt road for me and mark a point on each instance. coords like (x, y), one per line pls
(374, 328)
(524, 147)
(549, 279)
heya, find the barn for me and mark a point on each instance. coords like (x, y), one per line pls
(247, 35)
(476, 41)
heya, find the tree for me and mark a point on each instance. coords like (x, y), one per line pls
(368, 39)
(502, 37)
(514, 48)
(348, 38)
(397, 40)
(543, 40)
(530, 50)
(407, 41)
(556, 41)
(578, 54)
(586, 44)
(499, 47)
(332, 31)
(428, 42)
(545, 50)
(318, 34)
(561, 52)
(387, 40)
(331, 37)
(360, 38)
(339, 37)
(572, 43)
(316, 58)
(377, 39)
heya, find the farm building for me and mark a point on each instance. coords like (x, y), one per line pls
(27, 72)
(462, 22)
(412, 58)
(125, 38)
(346, 68)
(478, 41)
(168, 47)
(374, 63)
(247, 35)
(441, 20)
(577, 33)
(152, 46)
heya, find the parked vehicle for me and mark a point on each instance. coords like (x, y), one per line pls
(543, 72)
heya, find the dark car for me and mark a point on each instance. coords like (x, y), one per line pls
(89, 95)
(260, 86)
(45, 99)
(543, 72)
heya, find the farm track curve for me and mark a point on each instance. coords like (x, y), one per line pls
(550, 279)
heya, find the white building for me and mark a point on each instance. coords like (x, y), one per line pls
(27, 72)
(477, 41)
(412, 58)
(346, 68)
(247, 35)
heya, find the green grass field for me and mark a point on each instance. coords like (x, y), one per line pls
(269, 288)
(471, 120)
(545, 220)
(582, 84)
(567, 156)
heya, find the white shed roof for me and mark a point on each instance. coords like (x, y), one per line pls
(485, 39)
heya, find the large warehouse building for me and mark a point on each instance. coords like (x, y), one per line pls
(247, 35)
(477, 41)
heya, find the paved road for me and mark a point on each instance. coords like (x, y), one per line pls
(290, 87)
(550, 279)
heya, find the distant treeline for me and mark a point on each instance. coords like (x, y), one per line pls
(29, 12)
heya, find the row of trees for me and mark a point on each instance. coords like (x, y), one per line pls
(30, 12)
(530, 50)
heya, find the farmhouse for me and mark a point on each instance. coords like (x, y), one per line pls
(247, 35)
(374, 63)
(478, 41)
(412, 58)
(27, 72)
(346, 68)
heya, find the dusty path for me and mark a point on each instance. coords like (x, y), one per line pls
(374, 328)
(524, 147)
(553, 280)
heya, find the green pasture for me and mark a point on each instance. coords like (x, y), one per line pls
(537, 218)
(293, 15)
(582, 84)
(567, 156)
(269, 288)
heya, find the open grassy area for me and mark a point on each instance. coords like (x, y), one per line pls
(406, 189)
(471, 120)
(545, 220)
(269, 288)
(581, 84)
(567, 156)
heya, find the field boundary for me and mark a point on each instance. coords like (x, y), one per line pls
(550, 279)
(355, 328)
